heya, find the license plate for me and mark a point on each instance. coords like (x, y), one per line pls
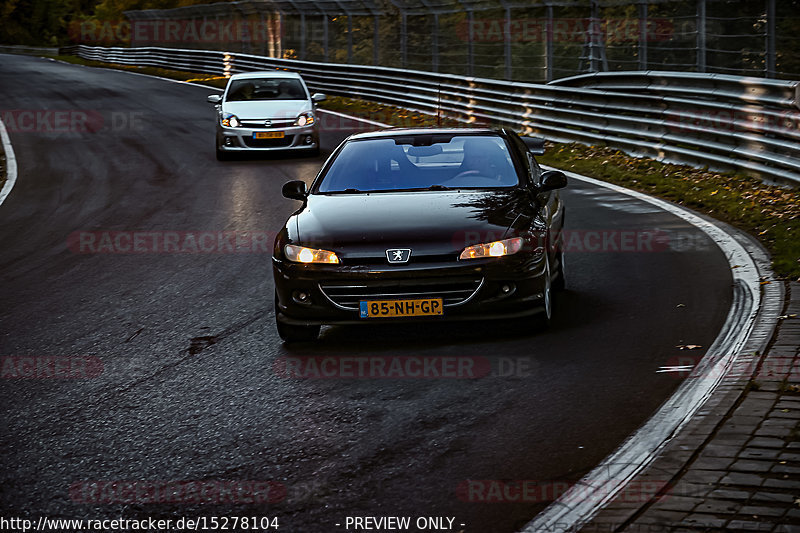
(401, 308)
(267, 135)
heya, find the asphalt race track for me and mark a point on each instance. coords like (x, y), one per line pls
(190, 385)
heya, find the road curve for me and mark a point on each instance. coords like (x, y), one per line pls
(189, 388)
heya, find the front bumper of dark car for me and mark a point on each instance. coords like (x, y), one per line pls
(506, 287)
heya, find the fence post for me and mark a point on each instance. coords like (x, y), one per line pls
(470, 43)
(643, 35)
(349, 38)
(435, 43)
(279, 40)
(769, 63)
(404, 41)
(302, 36)
(507, 42)
(376, 40)
(549, 44)
(701, 35)
(325, 37)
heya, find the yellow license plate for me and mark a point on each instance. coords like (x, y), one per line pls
(401, 308)
(268, 135)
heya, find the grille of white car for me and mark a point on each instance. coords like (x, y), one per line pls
(260, 123)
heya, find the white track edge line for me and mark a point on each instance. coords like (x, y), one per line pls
(11, 164)
(573, 509)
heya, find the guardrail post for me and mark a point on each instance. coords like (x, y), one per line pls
(701, 35)
(643, 35)
(769, 63)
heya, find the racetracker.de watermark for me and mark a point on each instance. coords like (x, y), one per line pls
(174, 31)
(564, 30)
(177, 492)
(170, 242)
(50, 367)
(530, 491)
(402, 367)
(598, 240)
(71, 120)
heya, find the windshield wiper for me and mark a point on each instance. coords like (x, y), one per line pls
(438, 188)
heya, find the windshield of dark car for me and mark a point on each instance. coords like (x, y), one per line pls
(402, 163)
(266, 89)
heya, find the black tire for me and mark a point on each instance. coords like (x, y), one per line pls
(560, 282)
(545, 318)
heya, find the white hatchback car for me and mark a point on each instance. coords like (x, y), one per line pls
(266, 111)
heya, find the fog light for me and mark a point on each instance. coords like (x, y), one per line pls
(301, 297)
(228, 141)
(309, 139)
(507, 287)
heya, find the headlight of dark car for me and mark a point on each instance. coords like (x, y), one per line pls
(492, 249)
(301, 254)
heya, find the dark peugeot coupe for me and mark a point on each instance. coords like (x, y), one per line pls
(421, 224)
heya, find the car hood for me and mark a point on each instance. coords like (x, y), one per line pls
(267, 109)
(428, 222)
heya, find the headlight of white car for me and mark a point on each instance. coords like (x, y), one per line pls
(305, 119)
(231, 121)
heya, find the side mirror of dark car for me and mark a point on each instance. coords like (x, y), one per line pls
(295, 190)
(214, 99)
(553, 179)
(535, 145)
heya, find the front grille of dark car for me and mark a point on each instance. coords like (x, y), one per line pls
(381, 260)
(269, 143)
(259, 124)
(347, 295)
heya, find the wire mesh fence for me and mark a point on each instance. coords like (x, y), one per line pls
(530, 41)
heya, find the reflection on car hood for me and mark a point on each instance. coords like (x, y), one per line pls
(267, 109)
(428, 222)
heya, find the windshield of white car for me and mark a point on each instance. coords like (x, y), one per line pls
(259, 89)
(420, 163)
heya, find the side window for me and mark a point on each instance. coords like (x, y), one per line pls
(534, 172)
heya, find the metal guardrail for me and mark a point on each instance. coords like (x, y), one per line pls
(27, 50)
(722, 122)
(718, 87)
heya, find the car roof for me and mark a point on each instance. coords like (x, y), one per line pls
(266, 74)
(395, 132)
